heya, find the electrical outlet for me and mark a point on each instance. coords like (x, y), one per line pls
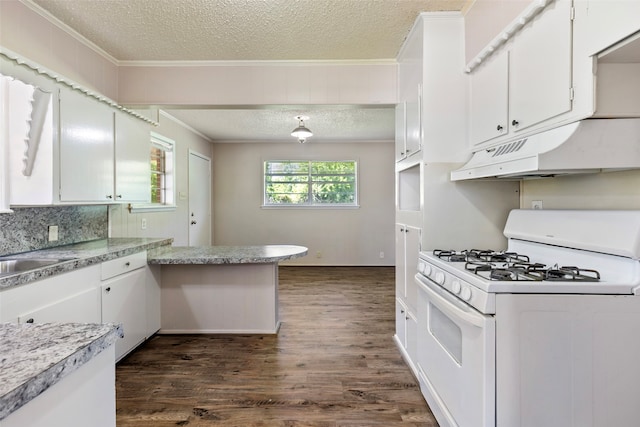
(143, 223)
(381, 255)
(318, 254)
(53, 233)
(536, 204)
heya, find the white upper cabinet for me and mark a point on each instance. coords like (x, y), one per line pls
(489, 99)
(86, 149)
(409, 93)
(527, 81)
(132, 171)
(540, 68)
(432, 90)
(65, 147)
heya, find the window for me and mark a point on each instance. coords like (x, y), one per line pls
(162, 175)
(310, 183)
(162, 171)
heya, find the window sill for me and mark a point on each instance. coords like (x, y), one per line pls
(303, 207)
(151, 208)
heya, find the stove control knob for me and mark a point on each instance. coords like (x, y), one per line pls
(455, 287)
(427, 270)
(466, 294)
(439, 277)
(421, 266)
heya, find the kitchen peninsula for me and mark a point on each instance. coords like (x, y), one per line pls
(221, 289)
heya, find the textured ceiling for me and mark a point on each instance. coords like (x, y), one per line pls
(135, 30)
(329, 124)
(254, 30)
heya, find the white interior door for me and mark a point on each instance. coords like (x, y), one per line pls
(199, 199)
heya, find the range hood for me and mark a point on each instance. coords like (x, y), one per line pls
(586, 146)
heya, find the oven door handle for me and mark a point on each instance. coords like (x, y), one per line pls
(448, 304)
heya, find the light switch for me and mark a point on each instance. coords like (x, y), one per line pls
(53, 233)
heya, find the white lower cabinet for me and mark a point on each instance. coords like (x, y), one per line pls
(407, 334)
(86, 397)
(123, 290)
(80, 307)
(68, 297)
(124, 299)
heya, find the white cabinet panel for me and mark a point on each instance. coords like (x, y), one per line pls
(83, 307)
(68, 297)
(407, 249)
(489, 99)
(132, 167)
(86, 149)
(123, 301)
(540, 68)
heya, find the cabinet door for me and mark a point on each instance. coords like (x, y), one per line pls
(132, 170)
(489, 99)
(413, 114)
(401, 323)
(86, 149)
(80, 308)
(540, 68)
(123, 301)
(401, 124)
(412, 249)
(412, 336)
(401, 288)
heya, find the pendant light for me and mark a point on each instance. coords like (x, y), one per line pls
(301, 132)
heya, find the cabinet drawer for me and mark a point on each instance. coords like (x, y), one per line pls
(118, 266)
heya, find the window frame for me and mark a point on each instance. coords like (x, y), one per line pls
(311, 205)
(169, 146)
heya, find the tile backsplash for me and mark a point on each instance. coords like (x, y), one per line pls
(26, 229)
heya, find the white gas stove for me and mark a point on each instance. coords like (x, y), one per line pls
(533, 335)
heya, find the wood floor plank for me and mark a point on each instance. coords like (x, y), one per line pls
(333, 364)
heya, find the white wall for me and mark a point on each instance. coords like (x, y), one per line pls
(609, 190)
(175, 223)
(27, 32)
(342, 236)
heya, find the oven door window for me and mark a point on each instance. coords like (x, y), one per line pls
(446, 332)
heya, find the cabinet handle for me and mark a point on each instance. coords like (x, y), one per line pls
(119, 196)
(127, 264)
(107, 290)
(402, 153)
(401, 311)
(408, 150)
(30, 320)
(406, 318)
(109, 196)
(499, 128)
(514, 122)
(193, 223)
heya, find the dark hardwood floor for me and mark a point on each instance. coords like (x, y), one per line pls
(333, 364)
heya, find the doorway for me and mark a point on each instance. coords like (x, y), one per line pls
(199, 199)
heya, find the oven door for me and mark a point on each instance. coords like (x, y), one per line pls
(456, 358)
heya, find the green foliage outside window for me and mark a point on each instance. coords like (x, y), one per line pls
(314, 183)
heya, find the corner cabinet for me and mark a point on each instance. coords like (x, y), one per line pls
(84, 151)
(527, 81)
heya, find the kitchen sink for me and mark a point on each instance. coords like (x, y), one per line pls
(21, 265)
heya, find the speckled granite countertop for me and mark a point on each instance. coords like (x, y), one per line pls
(34, 357)
(79, 255)
(225, 254)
